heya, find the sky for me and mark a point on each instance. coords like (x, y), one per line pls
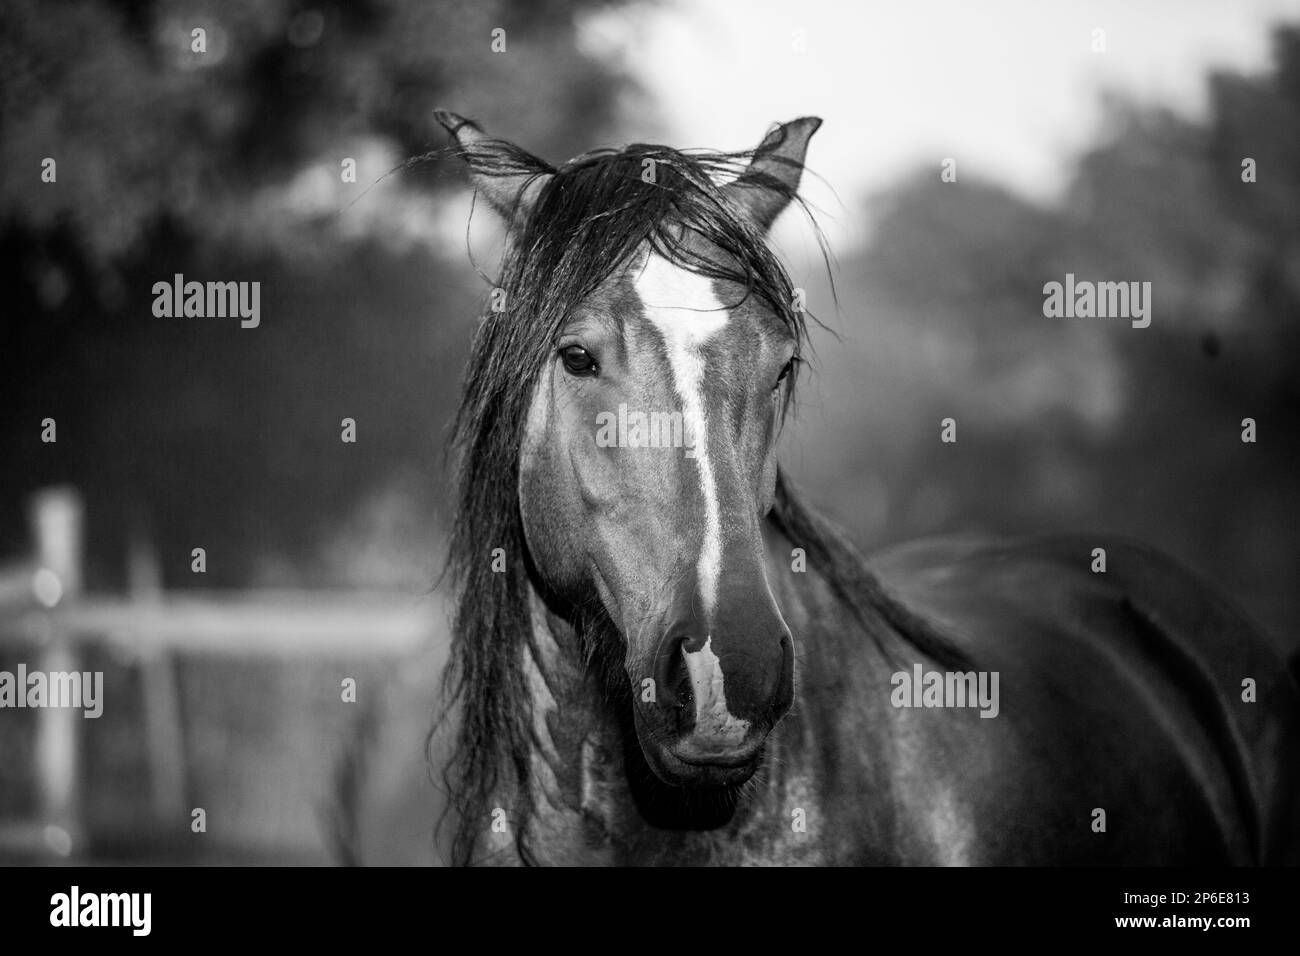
(1011, 90)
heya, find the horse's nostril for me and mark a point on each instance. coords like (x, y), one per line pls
(783, 699)
(672, 682)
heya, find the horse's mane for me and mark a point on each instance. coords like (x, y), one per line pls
(593, 214)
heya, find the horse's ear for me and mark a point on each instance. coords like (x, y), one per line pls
(507, 177)
(772, 178)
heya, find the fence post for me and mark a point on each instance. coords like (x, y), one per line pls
(162, 713)
(56, 520)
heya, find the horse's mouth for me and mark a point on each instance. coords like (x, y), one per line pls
(682, 764)
(688, 753)
(713, 775)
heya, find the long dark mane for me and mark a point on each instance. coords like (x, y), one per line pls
(593, 214)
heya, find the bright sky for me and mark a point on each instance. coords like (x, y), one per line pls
(1010, 89)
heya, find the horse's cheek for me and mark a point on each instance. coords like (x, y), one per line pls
(549, 517)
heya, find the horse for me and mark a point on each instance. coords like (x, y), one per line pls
(661, 654)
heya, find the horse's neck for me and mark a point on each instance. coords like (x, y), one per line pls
(578, 797)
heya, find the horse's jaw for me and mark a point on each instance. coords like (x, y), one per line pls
(592, 776)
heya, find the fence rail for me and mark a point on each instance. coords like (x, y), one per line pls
(42, 607)
(239, 623)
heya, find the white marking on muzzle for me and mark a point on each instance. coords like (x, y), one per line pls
(712, 719)
(684, 308)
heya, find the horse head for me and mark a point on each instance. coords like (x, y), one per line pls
(650, 339)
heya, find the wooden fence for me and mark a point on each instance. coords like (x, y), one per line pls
(44, 610)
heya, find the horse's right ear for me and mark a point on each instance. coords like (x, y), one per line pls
(499, 171)
(772, 178)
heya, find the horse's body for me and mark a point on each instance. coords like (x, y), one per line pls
(623, 703)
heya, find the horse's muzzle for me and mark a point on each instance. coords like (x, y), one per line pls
(718, 698)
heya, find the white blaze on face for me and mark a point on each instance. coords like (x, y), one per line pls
(712, 719)
(684, 308)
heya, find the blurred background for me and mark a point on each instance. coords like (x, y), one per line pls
(1112, 155)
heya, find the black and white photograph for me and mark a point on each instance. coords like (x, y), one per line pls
(650, 433)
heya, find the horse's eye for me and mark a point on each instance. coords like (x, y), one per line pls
(578, 360)
(785, 373)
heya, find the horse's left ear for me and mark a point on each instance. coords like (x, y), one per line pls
(497, 168)
(772, 178)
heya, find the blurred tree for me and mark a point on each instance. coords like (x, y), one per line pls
(145, 127)
(226, 164)
(1091, 424)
